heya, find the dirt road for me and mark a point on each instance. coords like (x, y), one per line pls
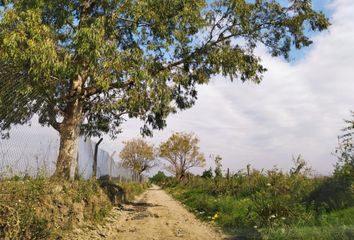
(154, 216)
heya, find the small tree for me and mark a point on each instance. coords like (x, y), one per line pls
(300, 167)
(138, 155)
(345, 150)
(181, 151)
(218, 165)
(207, 174)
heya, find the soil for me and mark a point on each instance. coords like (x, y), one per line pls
(155, 215)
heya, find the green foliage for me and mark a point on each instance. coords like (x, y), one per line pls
(310, 233)
(207, 174)
(337, 192)
(345, 151)
(270, 205)
(159, 178)
(333, 193)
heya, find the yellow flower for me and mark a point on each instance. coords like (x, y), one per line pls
(216, 215)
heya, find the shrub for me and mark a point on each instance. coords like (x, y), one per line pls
(332, 194)
(207, 174)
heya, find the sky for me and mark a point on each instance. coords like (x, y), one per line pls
(297, 109)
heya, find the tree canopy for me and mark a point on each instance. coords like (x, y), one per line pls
(138, 155)
(181, 151)
(85, 65)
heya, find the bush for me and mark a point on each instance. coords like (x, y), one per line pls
(333, 193)
(207, 174)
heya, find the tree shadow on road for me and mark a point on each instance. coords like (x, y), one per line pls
(142, 204)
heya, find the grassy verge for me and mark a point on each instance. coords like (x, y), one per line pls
(133, 189)
(273, 206)
(46, 209)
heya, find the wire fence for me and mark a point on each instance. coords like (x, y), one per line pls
(33, 150)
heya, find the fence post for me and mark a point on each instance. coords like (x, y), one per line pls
(110, 163)
(94, 165)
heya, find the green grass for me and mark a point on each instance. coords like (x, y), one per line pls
(310, 233)
(266, 207)
(338, 218)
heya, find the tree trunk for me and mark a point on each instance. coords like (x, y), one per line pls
(180, 176)
(69, 136)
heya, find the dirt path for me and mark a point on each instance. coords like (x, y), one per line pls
(155, 216)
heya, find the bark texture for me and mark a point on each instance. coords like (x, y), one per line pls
(69, 136)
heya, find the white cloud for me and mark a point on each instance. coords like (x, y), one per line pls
(298, 108)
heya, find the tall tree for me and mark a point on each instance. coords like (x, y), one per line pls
(85, 65)
(181, 151)
(138, 155)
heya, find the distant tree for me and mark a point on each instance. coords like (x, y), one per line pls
(207, 174)
(218, 165)
(181, 151)
(345, 150)
(300, 166)
(159, 178)
(83, 66)
(138, 155)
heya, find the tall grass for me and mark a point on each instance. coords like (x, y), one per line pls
(272, 204)
(40, 208)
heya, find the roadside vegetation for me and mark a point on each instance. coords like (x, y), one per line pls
(271, 204)
(41, 208)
